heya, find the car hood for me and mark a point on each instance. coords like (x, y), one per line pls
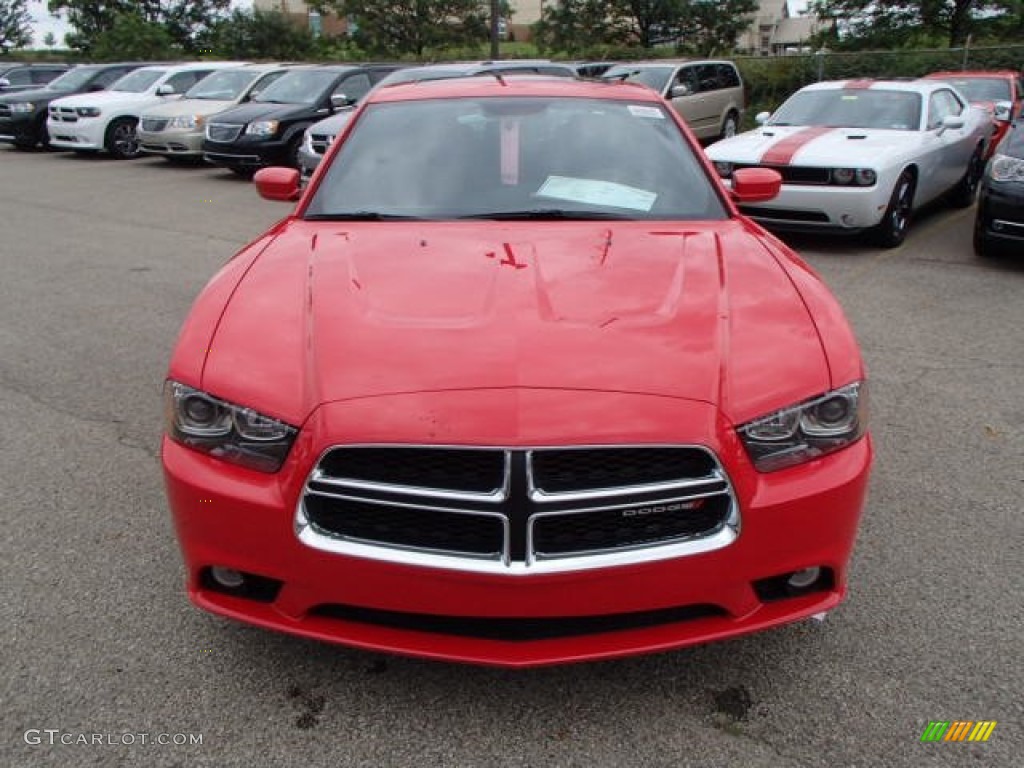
(36, 94)
(247, 113)
(333, 125)
(113, 99)
(337, 311)
(189, 107)
(799, 145)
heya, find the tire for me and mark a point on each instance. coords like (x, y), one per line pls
(983, 245)
(966, 190)
(730, 126)
(121, 140)
(892, 229)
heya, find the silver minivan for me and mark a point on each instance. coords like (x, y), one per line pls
(707, 94)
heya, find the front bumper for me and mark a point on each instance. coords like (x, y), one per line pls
(86, 133)
(1001, 211)
(179, 143)
(822, 208)
(18, 128)
(797, 518)
(246, 152)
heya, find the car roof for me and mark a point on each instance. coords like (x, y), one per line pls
(476, 87)
(649, 63)
(986, 73)
(911, 86)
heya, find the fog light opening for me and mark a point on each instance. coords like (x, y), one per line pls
(805, 578)
(228, 578)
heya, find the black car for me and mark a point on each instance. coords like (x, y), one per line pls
(26, 77)
(999, 224)
(268, 130)
(23, 114)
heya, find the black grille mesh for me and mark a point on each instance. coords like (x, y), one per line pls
(558, 471)
(474, 471)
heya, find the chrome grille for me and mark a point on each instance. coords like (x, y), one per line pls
(153, 124)
(526, 510)
(320, 142)
(63, 114)
(223, 132)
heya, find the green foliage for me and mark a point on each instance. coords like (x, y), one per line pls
(255, 34)
(186, 22)
(50, 40)
(132, 37)
(15, 25)
(397, 27)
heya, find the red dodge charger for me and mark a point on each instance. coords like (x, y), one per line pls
(516, 384)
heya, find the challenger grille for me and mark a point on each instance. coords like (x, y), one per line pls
(514, 507)
(796, 174)
(223, 132)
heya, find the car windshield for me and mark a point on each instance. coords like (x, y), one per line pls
(510, 158)
(983, 88)
(73, 79)
(653, 77)
(226, 85)
(138, 81)
(299, 87)
(852, 108)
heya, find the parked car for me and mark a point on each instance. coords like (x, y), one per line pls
(1000, 90)
(107, 121)
(862, 155)
(999, 223)
(489, 394)
(319, 136)
(268, 130)
(707, 94)
(592, 69)
(176, 129)
(28, 77)
(23, 114)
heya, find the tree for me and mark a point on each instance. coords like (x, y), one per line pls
(396, 27)
(186, 22)
(132, 37)
(871, 24)
(15, 25)
(713, 26)
(259, 34)
(579, 25)
(50, 40)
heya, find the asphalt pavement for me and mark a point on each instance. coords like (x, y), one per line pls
(99, 262)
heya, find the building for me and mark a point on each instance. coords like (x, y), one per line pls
(300, 13)
(775, 31)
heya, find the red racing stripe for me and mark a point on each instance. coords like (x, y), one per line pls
(857, 85)
(781, 153)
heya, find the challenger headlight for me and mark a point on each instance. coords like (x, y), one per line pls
(88, 111)
(22, 107)
(186, 122)
(808, 430)
(1006, 168)
(229, 432)
(262, 128)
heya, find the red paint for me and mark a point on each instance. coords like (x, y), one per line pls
(999, 127)
(782, 151)
(677, 334)
(858, 85)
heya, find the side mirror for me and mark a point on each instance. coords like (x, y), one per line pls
(1004, 110)
(340, 101)
(951, 123)
(762, 117)
(165, 90)
(678, 91)
(755, 185)
(278, 183)
(252, 95)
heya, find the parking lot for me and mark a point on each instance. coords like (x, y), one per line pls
(99, 262)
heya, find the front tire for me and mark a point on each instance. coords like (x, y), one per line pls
(121, 140)
(891, 231)
(966, 190)
(730, 126)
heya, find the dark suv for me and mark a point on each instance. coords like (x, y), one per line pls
(23, 114)
(268, 130)
(25, 77)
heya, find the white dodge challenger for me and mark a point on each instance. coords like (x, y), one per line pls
(862, 155)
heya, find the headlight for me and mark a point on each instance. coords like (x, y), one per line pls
(187, 122)
(866, 177)
(88, 112)
(842, 175)
(1006, 168)
(226, 431)
(262, 128)
(723, 168)
(808, 430)
(22, 106)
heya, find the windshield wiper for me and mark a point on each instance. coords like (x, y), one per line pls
(361, 216)
(547, 214)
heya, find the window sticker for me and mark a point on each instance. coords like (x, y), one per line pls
(595, 192)
(639, 110)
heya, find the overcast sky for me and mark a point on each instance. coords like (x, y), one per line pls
(43, 22)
